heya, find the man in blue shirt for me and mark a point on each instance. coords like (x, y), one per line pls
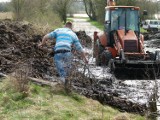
(65, 38)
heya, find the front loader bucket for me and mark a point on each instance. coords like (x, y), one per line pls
(137, 70)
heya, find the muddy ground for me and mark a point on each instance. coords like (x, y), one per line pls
(18, 48)
(19, 45)
(153, 39)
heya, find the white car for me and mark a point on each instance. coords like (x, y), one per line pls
(151, 25)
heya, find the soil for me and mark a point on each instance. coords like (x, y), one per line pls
(153, 39)
(19, 46)
(84, 38)
(103, 92)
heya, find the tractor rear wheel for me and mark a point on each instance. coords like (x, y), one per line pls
(106, 56)
(98, 51)
(111, 65)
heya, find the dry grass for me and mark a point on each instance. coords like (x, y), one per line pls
(6, 15)
(44, 103)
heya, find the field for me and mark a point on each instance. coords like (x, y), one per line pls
(6, 15)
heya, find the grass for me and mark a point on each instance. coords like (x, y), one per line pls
(97, 24)
(143, 30)
(70, 19)
(45, 103)
(6, 15)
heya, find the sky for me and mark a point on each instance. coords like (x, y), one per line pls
(5, 0)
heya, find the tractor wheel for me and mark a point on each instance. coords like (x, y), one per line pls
(99, 50)
(122, 56)
(152, 56)
(157, 56)
(106, 56)
(111, 65)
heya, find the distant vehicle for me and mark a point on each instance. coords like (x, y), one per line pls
(151, 25)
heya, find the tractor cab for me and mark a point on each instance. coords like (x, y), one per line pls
(121, 18)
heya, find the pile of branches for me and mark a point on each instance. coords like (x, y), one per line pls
(19, 45)
(84, 38)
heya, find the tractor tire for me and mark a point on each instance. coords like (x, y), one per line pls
(106, 57)
(152, 56)
(98, 52)
(111, 65)
(122, 56)
(157, 56)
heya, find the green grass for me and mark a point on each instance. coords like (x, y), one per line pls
(70, 19)
(45, 103)
(97, 24)
(143, 30)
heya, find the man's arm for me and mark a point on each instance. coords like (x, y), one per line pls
(44, 39)
(79, 48)
(84, 57)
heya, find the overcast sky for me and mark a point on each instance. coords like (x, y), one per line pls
(5, 0)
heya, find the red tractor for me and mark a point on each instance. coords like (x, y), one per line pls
(121, 46)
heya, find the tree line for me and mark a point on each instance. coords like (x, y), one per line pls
(95, 8)
(55, 11)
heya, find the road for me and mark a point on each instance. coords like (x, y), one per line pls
(83, 25)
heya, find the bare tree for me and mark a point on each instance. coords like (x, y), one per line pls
(36, 11)
(90, 8)
(61, 7)
(100, 10)
(18, 8)
(151, 7)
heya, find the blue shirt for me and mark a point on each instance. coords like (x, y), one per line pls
(65, 38)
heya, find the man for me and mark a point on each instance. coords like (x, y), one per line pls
(65, 38)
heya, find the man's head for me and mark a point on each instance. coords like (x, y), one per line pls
(68, 25)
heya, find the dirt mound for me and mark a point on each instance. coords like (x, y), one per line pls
(84, 38)
(18, 45)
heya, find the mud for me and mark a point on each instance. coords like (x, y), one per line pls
(152, 39)
(104, 92)
(84, 38)
(18, 46)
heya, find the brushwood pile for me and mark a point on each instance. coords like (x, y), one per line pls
(19, 46)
